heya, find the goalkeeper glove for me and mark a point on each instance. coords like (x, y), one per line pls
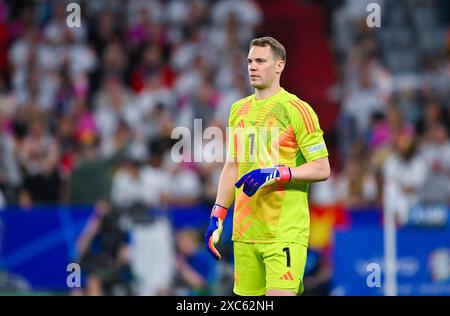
(214, 231)
(258, 178)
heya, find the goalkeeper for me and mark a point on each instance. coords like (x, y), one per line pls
(267, 176)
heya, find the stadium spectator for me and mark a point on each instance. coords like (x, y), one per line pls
(404, 173)
(436, 152)
(358, 184)
(39, 156)
(91, 177)
(2, 201)
(433, 113)
(138, 191)
(188, 190)
(10, 175)
(104, 255)
(196, 269)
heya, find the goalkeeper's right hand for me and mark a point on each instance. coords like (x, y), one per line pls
(214, 231)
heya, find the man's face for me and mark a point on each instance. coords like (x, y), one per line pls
(263, 67)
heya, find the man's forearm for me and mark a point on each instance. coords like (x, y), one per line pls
(225, 196)
(313, 171)
(226, 189)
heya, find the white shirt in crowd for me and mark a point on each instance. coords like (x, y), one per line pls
(2, 201)
(437, 184)
(147, 187)
(400, 174)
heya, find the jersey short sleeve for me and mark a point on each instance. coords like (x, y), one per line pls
(308, 134)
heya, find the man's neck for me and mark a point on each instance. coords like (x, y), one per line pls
(267, 92)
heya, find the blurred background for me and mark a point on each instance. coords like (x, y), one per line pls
(86, 116)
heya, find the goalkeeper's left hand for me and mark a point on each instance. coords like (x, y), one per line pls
(258, 178)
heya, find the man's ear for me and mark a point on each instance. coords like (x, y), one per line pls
(280, 67)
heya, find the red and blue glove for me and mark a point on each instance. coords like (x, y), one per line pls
(214, 230)
(258, 178)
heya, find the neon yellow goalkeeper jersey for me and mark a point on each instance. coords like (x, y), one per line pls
(281, 129)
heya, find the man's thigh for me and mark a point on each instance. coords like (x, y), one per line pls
(284, 265)
(249, 271)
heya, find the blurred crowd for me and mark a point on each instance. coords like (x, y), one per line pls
(77, 100)
(86, 116)
(393, 125)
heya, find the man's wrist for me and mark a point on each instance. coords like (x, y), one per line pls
(219, 211)
(285, 173)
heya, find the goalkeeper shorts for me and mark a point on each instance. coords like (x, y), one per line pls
(262, 267)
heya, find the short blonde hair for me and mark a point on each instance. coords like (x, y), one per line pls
(277, 48)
